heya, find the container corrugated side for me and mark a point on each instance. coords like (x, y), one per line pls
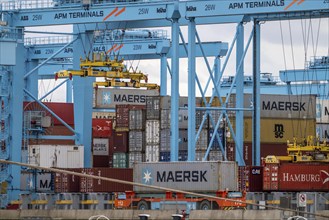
(152, 132)
(40, 181)
(322, 111)
(165, 140)
(102, 128)
(189, 176)
(165, 118)
(282, 106)
(110, 97)
(322, 131)
(120, 142)
(251, 178)
(152, 153)
(215, 155)
(122, 118)
(183, 140)
(135, 157)
(120, 160)
(202, 142)
(136, 141)
(152, 108)
(66, 182)
(137, 119)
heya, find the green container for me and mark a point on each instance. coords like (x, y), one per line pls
(120, 160)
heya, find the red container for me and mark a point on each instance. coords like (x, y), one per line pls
(102, 127)
(265, 150)
(251, 178)
(120, 142)
(296, 177)
(62, 110)
(122, 116)
(101, 161)
(58, 130)
(67, 183)
(95, 185)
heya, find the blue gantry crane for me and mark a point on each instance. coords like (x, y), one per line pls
(89, 16)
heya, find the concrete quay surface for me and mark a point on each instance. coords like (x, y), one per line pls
(154, 214)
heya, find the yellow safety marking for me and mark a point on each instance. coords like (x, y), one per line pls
(327, 202)
(111, 202)
(273, 202)
(39, 202)
(250, 201)
(64, 202)
(16, 202)
(89, 202)
(309, 202)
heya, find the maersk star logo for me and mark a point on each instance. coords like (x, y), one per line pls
(106, 98)
(147, 179)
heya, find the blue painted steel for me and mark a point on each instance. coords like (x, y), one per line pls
(239, 92)
(83, 96)
(52, 137)
(174, 87)
(304, 75)
(69, 91)
(256, 95)
(49, 58)
(16, 122)
(191, 90)
(32, 80)
(163, 75)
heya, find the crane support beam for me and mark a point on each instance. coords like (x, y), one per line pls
(162, 11)
(304, 75)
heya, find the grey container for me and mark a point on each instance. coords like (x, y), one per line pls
(281, 106)
(136, 141)
(135, 157)
(189, 176)
(152, 153)
(183, 140)
(215, 117)
(215, 155)
(153, 108)
(202, 142)
(199, 115)
(165, 102)
(182, 118)
(165, 140)
(165, 118)
(137, 119)
(199, 155)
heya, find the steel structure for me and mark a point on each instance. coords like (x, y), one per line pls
(102, 15)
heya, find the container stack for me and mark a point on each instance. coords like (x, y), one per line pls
(283, 118)
(136, 136)
(102, 130)
(322, 119)
(152, 148)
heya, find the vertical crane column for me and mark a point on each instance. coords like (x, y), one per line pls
(69, 91)
(16, 121)
(31, 81)
(239, 92)
(256, 95)
(174, 85)
(83, 94)
(163, 75)
(191, 90)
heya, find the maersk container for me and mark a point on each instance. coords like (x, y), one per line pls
(137, 119)
(152, 153)
(165, 102)
(40, 181)
(152, 132)
(322, 131)
(215, 155)
(182, 155)
(153, 108)
(189, 176)
(322, 111)
(165, 156)
(282, 106)
(136, 141)
(110, 97)
(165, 118)
(61, 156)
(182, 118)
(183, 141)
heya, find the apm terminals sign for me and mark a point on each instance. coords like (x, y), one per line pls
(110, 97)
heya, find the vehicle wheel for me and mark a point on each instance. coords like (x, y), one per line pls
(205, 205)
(143, 205)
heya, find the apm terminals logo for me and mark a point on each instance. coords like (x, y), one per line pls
(106, 98)
(147, 178)
(294, 2)
(278, 130)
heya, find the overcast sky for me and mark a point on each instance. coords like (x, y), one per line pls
(284, 45)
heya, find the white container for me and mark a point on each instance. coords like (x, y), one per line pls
(41, 181)
(322, 131)
(60, 156)
(152, 153)
(101, 146)
(152, 132)
(322, 111)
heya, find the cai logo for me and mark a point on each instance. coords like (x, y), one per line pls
(106, 98)
(278, 131)
(147, 176)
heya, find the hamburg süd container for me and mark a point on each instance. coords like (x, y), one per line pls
(189, 176)
(296, 177)
(110, 97)
(62, 156)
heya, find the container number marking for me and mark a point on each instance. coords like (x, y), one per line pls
(49, 51)
(37, 17)
(143, 11)
(137, 47)
(210, 7)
